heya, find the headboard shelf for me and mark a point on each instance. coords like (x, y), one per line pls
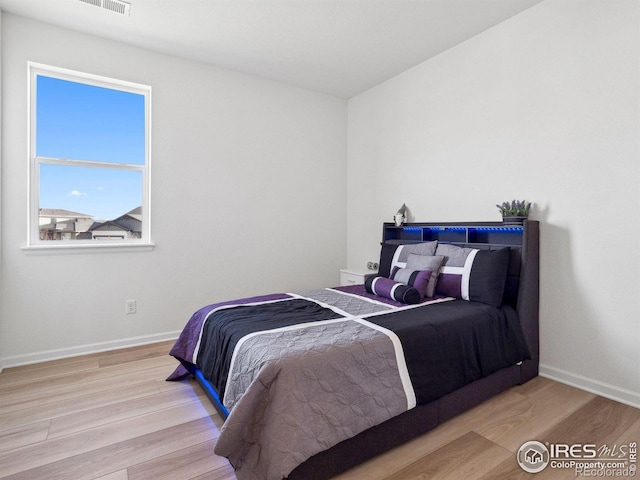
(485, 233)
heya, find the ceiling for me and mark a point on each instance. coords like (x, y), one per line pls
(339, 47)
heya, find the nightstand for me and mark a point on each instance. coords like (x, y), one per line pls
(350, 276)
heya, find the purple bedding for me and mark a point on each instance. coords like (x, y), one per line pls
(295, 390)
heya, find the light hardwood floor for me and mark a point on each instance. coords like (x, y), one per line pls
(112, 416)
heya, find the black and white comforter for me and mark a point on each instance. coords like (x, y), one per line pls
(301, 372)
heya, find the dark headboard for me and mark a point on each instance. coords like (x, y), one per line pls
(522, 284)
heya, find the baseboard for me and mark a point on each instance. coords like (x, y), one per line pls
(47, 355)
(606, 390)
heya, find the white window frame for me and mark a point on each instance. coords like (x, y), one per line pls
(34, 244)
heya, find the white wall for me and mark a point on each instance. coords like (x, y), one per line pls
(1, 321)
(545, 107)
(248, 195)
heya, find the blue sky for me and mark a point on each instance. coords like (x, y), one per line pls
(84, 122)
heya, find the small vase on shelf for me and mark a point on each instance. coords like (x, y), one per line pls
(514, 219)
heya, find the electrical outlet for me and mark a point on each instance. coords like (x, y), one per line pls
(130, 306)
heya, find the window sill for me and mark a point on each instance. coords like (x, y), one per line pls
(61, 249)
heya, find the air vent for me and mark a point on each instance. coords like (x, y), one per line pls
(117, 6)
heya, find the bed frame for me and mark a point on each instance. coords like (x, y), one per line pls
(522, 292)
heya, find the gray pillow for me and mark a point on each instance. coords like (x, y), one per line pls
(426, 262)
(454, 256)
(394, 253)
(424, 248)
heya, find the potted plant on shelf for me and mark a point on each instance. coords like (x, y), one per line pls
(514, 212)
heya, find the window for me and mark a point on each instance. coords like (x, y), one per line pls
(89, 160)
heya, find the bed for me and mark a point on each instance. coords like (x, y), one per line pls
(313, 383)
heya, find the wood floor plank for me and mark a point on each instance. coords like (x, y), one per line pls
(29, 396)
(23, 436)
(119, 475)
(111, 458)
(118, 357)
(50, 451)
(632, 434)
(534, 385)
(164, 385)
(541, 410)
(129, 408)
(16, 376)
(222, 473)
(50, 364)
(225, 472)
(498, 407)
(75, 379)
(469, 456)
(60, 362)
(599, 421)
(39, 411)
(56, 368)
(182, 464)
